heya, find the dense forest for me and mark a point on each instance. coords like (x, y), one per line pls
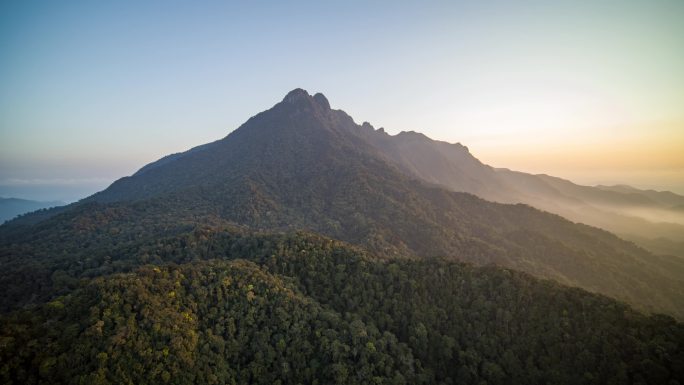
(299, 308)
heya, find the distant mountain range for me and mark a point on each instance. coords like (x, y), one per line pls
(305, 248)
(12, 207)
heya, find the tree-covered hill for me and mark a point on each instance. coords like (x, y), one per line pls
(301, 308)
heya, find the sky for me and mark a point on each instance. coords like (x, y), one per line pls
(592, 91)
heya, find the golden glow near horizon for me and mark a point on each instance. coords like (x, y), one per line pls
(592, 91)
(594, 97)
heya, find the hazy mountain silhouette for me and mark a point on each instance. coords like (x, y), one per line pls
(303, 165)
(636, 214)
(12, 207)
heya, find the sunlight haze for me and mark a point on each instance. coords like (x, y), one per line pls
(589, 91)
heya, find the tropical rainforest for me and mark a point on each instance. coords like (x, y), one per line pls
(229, 307)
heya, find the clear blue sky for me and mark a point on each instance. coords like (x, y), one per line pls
(591, 90)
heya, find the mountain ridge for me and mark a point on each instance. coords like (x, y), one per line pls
(630, 212)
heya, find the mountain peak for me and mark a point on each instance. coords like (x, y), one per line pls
(413, 135)
(322, 101)
(301, 100)
(296, 95)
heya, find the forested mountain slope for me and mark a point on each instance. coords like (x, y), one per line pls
(302, 165)
(268, 308)
(201, 268)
